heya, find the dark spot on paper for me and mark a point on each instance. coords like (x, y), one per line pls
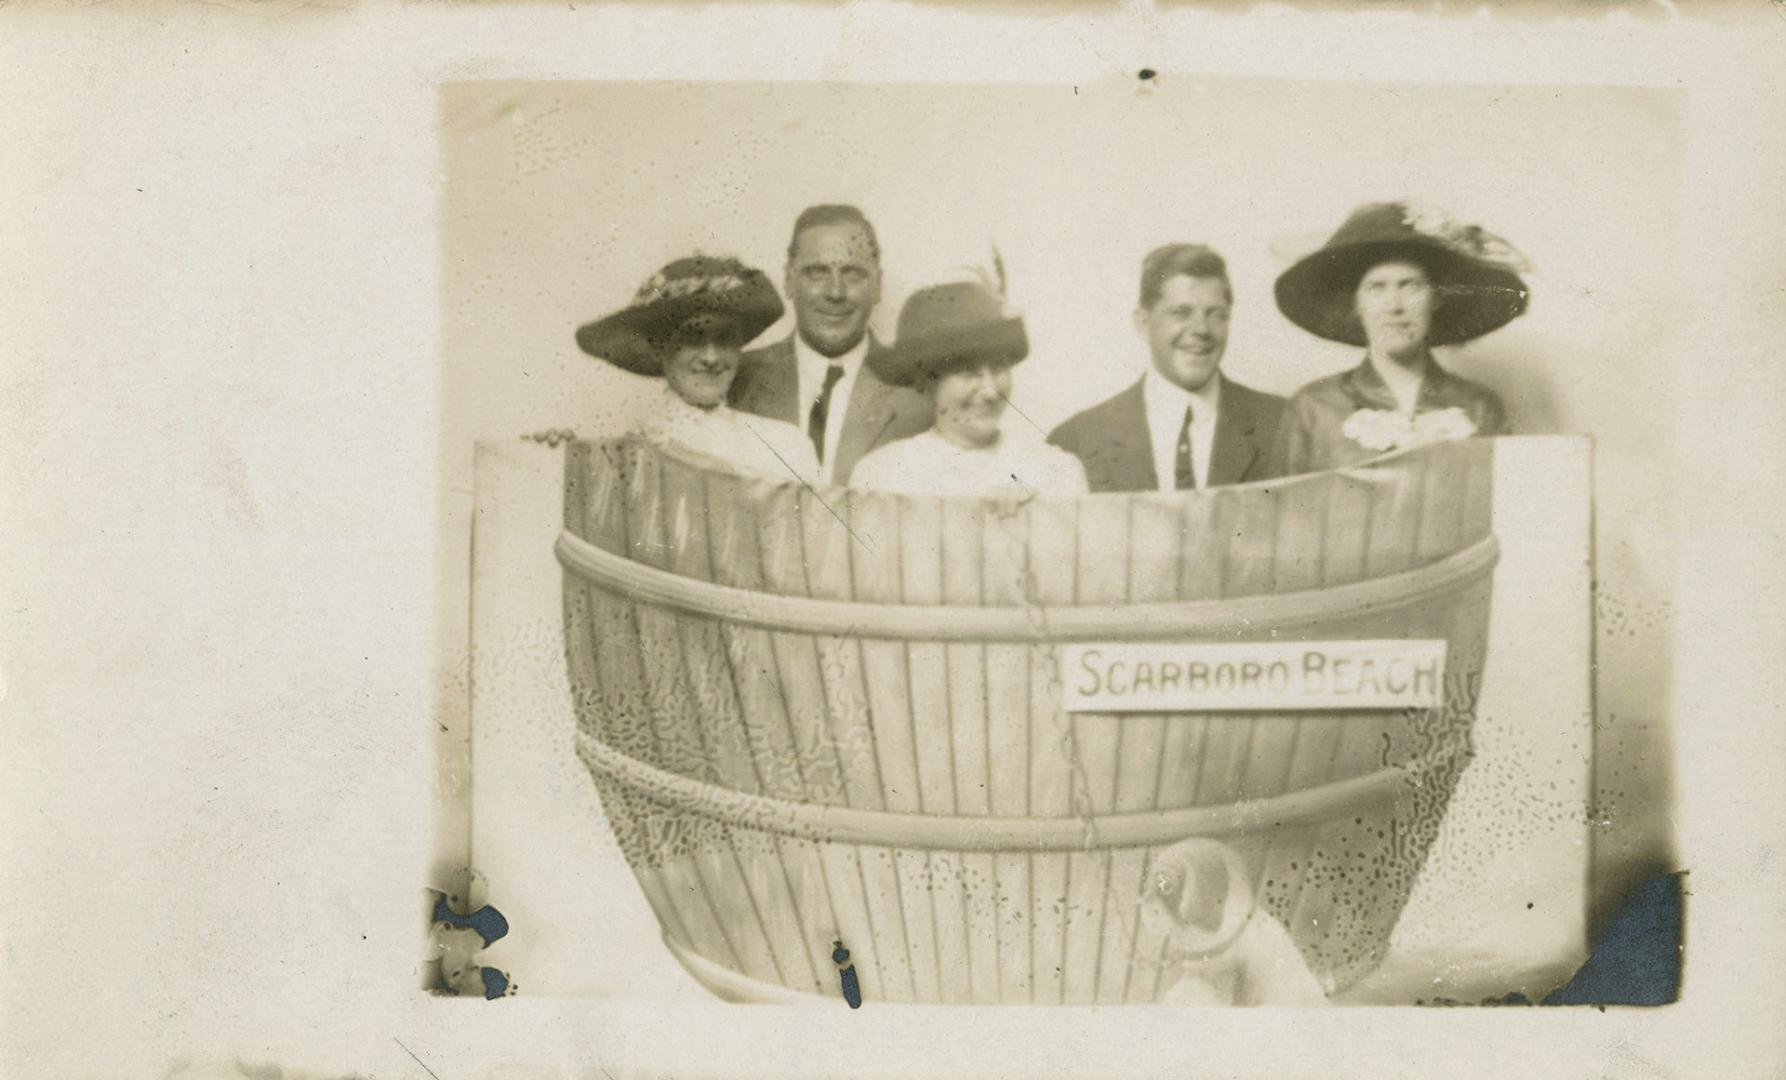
(1146, 74)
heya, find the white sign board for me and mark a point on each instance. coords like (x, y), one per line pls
(1164, 676)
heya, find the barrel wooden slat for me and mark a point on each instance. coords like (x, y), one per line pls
(1222, 741)
(1245, 524)
(709, 678)
(962, 556)
(614, 636)
(681, 746)
(1053, 553)
(741, 895)
(1479, 500)
(695, 498)
(781, 547)
(1324, 913)
(876, 519)
(661, 525)
(1296, 565)
(827, 542)
(1005, 582)
(1246, 570)
(1103, 577)
(1204, 554)
(921, 564)
(785, 879)
(737, 561)
(1203, 557)
(828, 539)
(1155, 566)
(1443, 496)
(1345, 544)
(592, 616)
(631, 726)
(1396, 515)
(1470, 615)
(1303, 742)
(781, 544)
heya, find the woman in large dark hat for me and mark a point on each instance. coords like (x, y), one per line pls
(957, 345)
(1396, 279)
(688, 324)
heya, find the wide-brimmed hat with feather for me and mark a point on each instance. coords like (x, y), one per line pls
(1476, 274)
(700, 286)
(952, 325)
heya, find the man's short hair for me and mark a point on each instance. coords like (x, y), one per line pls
(1165, 263)
(832, 214)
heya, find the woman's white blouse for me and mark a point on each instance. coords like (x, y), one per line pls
(742, 442)
(928, 464)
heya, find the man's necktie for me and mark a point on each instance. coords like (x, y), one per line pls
(1187, 473)
(821, 409)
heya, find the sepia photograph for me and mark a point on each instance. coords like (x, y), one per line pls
(1125, 543)
(611, 541)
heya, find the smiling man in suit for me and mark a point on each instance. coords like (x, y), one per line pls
(818, 377)
(1184, 424)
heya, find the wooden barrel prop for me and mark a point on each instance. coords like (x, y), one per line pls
(824, 718)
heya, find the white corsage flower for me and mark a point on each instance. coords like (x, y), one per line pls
(1443, 425)
(1378, 429)
(1384, 429)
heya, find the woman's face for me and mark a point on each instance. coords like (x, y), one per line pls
(1395, 303)
(970, 402)
(701, 362)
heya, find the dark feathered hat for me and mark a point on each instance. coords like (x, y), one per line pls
(951, 325)
(1476, 273)
(635, 336)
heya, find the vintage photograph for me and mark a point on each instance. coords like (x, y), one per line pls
(891, 539)
(1146, 542)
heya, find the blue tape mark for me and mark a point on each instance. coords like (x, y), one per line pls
(487, 921)
(496, 984)
(852, 990)
(1639, 960)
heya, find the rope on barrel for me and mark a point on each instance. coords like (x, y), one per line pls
(1242, 615)
(1042, 639)
(951, 832)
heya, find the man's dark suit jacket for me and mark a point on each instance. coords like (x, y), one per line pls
(1111, 439)
(768, 384)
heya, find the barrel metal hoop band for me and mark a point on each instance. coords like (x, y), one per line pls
(949, 832)
(1241, 615)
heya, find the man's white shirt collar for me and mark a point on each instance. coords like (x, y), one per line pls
(810, 366)
(1165, 403)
